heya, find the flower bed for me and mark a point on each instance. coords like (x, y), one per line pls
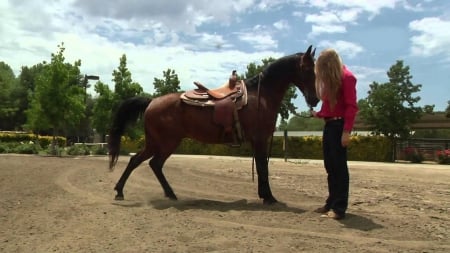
(443, 156)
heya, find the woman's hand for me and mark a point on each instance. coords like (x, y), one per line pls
(345, 139)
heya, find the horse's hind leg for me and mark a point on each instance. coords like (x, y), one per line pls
(157, 163)
(132, 164)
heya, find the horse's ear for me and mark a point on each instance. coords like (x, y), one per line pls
(313, 53)
(308, 51)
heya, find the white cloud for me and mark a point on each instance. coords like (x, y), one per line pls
(366, 76)
(369, 6)
(335, 15)
(345, 49)
(433, 38)
(326, 17)
(281, 25)
(203, 39)
(259, 38)
(260, 41)
(177, 15)
(327, 28)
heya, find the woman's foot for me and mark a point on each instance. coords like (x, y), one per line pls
(333, 215)
(322, 209)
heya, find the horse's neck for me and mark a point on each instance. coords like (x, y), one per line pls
(276, 90)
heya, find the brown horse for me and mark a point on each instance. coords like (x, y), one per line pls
(168, 120)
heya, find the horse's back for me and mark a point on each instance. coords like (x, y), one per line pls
(169, 115)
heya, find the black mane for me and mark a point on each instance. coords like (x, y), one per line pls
(280, 69)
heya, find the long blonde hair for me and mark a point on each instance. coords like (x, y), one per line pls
(328, 71)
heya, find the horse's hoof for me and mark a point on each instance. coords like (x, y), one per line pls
(172, 197)
(119, 198)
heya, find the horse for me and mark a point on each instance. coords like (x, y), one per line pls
(167, 120)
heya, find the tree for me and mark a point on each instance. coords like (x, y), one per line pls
(286, 105)
(8, 105)
(304, 122)
(447, 110)
(101, 118)
(169, 84)
(107, 101)
(124, 86)
(24, 91)
(58, 99)
(390, 107)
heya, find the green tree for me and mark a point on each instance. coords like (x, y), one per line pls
(58, 99)
(287, 106)
(168, 84)
(447, 110)
(8, 105)
(390, 108)
(24, 91)
(101, 118)
(124, 87)
(304, 122)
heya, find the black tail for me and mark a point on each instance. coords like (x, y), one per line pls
(129, 111)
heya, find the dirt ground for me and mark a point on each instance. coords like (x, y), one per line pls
(51, 204)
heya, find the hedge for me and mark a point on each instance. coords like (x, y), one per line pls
(361, 148)
(43, 141)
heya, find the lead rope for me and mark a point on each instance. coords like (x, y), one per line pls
(257, 111)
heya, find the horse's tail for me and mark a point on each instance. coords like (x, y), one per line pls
(128, 112)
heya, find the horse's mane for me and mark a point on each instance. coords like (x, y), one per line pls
(284, 67)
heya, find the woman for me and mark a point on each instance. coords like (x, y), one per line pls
(336, 87)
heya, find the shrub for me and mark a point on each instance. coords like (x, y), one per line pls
(99, 150)
(27, 148)
(44, 141)
(131, 146)
(4, 148)
(413, 155)
(443, 156)
(78, 150)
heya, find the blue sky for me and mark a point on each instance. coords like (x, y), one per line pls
(203, 40)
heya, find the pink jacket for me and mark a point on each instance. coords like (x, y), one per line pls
(346, 106)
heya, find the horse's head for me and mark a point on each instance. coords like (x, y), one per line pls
(306, 77)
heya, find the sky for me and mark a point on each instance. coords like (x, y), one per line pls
(204, 40)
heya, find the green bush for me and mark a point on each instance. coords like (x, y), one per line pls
(4, 148)
(28, 148)
(80, 149)
(361, 148)
(19, 148)
(43, 141)
(369, 148)
(99, 150)
(129, 145)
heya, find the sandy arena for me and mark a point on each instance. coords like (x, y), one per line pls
(51, 204)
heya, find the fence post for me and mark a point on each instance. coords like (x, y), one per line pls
(285, 144)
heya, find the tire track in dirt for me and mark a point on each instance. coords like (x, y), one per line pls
(197, 189)
(349, 237)
(65, 182)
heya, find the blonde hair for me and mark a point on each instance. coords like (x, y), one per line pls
(328, 71)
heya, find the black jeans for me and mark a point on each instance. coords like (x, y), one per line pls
(335, 161)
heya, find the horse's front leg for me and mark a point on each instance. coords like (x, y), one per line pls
(262, 168)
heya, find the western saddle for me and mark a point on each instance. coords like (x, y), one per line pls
(226, 100)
